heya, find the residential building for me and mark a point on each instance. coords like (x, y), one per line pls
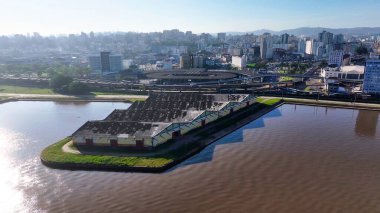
(105, 63)
(336, 57)
(326, 37)
(221, 37)
(338, 39)
(371, 84)
(285, 38)
(266, 46)
(318, 50)
(239, 62)
(302, 46)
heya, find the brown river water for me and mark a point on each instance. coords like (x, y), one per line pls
(293, 159)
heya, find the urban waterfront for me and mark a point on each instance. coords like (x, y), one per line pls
(293, 159)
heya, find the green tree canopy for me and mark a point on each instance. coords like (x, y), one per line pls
(59, 80)
(362, 50)
(78, 88)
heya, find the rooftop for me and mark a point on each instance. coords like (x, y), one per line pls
(353, 69)
(191, 74)
(157, 112)
(117, 128)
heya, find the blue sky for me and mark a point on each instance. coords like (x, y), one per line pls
(74, 16)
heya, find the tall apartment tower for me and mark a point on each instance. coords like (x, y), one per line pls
(266, 46)
(301, 46)
(326, 38)
(285, 38)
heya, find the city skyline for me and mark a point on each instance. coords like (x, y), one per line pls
(47, 17)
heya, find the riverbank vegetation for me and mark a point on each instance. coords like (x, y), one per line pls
(54, 153)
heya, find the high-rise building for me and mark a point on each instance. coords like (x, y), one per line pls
(221, 37)
(336, 57)
(309, 47)
(318, 49)
(197, 61)
(185, 61)
(301, 46)
(338, 39)
(105, 63)
(326, 37)
(266, 46)
(371, 84)
(285, 38)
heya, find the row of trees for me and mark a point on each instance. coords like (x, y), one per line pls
(44, 70)
(64, 84)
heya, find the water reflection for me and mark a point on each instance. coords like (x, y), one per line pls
(366, 123)
(235, 137)
(11, 199)
(302, 161)
(25, 129)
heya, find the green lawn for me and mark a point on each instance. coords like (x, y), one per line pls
(48, 91)
(54, 153)
(268, 101)
(286, 78)
(25, 90)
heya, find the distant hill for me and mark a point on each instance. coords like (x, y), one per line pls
(313, 31)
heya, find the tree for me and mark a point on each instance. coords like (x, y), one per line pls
(323, 64)
(78, 88)
(362, 50)
(60, 80)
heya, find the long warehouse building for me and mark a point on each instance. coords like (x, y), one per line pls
(158, 119)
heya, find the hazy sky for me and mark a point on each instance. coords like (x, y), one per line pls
(74, 16)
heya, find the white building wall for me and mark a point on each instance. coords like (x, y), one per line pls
(336, 57)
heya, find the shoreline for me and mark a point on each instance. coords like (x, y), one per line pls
(200, 145)
(206, 141)
(333, 104)
(10, 97)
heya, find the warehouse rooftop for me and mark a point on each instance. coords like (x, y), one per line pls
(173, 107)
(118, 128)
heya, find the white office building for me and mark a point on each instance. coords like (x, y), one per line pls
(309, 47)
(105, 63)
(336, 57)
(302, 46)
(371, 84)
(330, 72)
(239, 62)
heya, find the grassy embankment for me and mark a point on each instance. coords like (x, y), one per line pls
(47, 91)
(55, 154)
(25, 90)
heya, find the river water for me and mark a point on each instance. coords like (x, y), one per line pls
(293, 159)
